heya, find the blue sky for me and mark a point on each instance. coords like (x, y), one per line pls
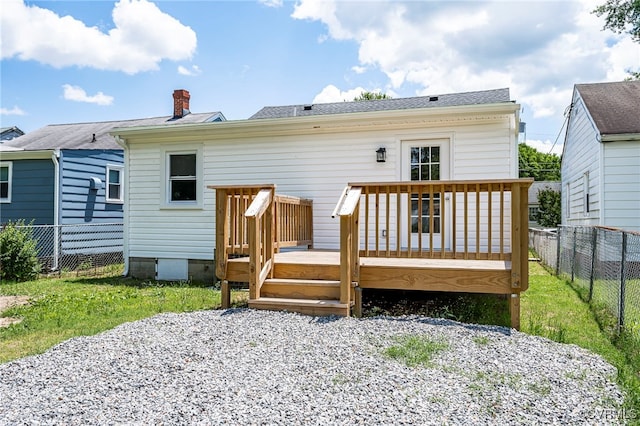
(65, 62)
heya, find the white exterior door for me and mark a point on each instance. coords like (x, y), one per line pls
(425, 160)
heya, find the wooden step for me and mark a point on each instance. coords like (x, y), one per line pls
(312, 271)
(313, 307)
(301, 289)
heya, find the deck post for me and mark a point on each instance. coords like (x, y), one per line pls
(524, 237)
(222, 233)
(514, 310)
(254, 257)
(225, 295)
(516, 235)
(357, 305)
(345, 260)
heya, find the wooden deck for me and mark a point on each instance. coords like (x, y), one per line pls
(315, 275)
(469, 236)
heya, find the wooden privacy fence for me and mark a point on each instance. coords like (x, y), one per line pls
(254, 221)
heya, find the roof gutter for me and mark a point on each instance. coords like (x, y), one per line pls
(28, 155)
(620, 137)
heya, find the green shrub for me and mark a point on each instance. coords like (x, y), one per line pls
(549, 210)
(18, 253)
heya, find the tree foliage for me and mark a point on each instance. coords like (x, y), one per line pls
(549, 214)
(538, 165)
(621, 16)
(369, 96)
(18, 253)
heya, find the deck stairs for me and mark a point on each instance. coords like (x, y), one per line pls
(311, 289)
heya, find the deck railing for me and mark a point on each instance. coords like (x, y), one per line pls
(251, 220)
(479, 219)
(294, 221)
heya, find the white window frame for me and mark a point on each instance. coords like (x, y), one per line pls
(166, 202)
(120, 170)
(586, 208)
(8, 165)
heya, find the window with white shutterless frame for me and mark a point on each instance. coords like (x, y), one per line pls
(182, 178)
(115, 187)
(6, 175)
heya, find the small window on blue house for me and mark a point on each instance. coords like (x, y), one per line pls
(182, 177)
(5, 182)
(115, 194)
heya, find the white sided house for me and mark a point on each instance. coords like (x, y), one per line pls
(601, 157)
(313, 152)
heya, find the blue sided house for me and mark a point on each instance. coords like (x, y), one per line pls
(73, 174)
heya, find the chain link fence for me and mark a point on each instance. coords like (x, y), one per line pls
(603, 263)
(81, 248)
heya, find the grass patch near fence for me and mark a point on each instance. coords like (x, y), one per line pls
(552, 308)
(63, 308)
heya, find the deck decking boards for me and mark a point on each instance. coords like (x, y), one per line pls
(326, 257)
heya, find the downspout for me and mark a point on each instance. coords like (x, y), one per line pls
(56, 209)
(125, 220)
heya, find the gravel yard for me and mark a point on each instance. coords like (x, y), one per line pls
(258, 367)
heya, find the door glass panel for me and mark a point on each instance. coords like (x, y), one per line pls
(425, 165)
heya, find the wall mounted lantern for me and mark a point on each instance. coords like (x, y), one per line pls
(381, 155)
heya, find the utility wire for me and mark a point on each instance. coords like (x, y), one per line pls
(567, 113)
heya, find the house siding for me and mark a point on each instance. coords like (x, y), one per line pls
(32, 193)
(622, 184)
(581, 169)
(78, 203)
(310, 166)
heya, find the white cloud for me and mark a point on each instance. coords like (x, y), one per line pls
(443, 47)
(359, 70)
(195, 70)
(332, 94)
(546, 146)
(16, 110)
(271, 3)
(142, 37)
(78, 94)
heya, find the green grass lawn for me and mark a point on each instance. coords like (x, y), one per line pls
(67, 307)
(552, 308)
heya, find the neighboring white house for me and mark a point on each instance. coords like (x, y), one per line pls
(310, 151)
(534, 204)
(601, 157)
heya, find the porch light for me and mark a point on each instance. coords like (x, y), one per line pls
(381, 155)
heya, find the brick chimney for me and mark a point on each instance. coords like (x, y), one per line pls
(180, 103)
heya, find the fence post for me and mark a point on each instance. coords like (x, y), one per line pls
(622, 282)
(594, 241)
(558, 247)
(573, 262)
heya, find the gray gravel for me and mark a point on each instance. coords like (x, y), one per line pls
(258, 367)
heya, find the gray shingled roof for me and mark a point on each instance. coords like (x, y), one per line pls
(433, 101)
(80, 135)
(615, 107)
